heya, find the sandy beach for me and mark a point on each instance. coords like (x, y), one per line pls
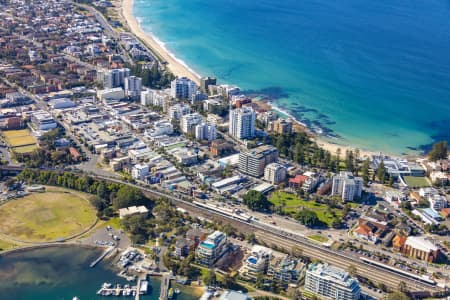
(177, 67)
(182, 70)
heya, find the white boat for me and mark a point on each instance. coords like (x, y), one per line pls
(177, 291)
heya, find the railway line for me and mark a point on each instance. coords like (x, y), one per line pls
(281, 238)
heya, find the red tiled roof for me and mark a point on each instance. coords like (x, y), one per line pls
(298, 179)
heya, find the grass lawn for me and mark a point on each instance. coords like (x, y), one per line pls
(318, 238)
(114, 223)
(413, 181)
(4, 245)
(293, 204)
(42, 217)
(25, 149)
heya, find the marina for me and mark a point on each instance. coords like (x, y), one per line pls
(108, 289)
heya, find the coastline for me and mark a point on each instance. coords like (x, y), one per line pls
(177, 67)
(321, 141)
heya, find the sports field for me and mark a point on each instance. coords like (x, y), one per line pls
(43, 217)
(416, 182)
(17, 138)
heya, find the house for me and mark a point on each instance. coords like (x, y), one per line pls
(445, 212)
(297, 182)
(370, 229)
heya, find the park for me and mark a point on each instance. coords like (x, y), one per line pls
(54, 215)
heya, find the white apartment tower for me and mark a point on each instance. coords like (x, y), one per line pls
(133, 86)
(242, 123)
(115, 78)
(347, 186)
(275, 173)
(188, 122)
(205, 131)
(182, 88)
(331, 283)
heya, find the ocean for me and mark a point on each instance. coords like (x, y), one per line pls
(61, 273)
(372, 74)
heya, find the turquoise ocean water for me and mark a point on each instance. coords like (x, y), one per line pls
(375, 74)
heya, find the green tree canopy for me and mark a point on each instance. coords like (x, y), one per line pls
(256, 200)
(308, 218)
(128, 196)
(439, 151)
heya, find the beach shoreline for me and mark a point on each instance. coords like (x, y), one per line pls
(176, 66)
(179, 68)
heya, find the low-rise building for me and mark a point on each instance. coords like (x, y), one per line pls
(329, 282)
(212, 248)
(140, 171)
(370, 229)
(285, 270)
(421, 248)
(256, 263)
(42, 120)
(128, 211)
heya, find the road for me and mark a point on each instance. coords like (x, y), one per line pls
(287, 240)
(281, 238)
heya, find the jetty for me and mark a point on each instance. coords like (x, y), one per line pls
(110, 290)
(102, 256)
(165, 283)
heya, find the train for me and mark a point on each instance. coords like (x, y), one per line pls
(421, 278)
(224, 211)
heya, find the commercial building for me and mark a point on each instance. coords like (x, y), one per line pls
(421, 248)
(242, 123)
(140, 171)
(205, 131)
(212, 248)
(347, 186)
(331, 283)
(255, 160)
(113, 94)
(61, 103)
(159, 128)
(257, 262)
(275, 173)
(189, 121)
(42, 120)
(182, 88)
